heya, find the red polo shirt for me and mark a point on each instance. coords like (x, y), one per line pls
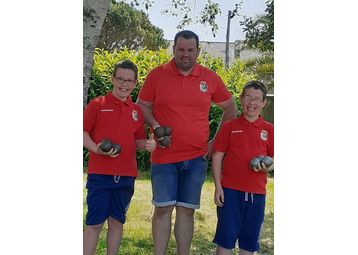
(241, 141)
(183, 103)
(122, 123)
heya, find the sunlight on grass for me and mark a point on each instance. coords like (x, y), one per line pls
(137, 233)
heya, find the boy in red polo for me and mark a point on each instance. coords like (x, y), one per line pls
(111, 176)
(240, 191)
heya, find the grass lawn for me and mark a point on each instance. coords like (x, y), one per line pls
(137, 233)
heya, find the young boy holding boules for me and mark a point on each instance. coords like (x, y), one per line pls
(111, 176)
(239, 190)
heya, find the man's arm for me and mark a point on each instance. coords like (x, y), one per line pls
(230, 112)
(149, 119)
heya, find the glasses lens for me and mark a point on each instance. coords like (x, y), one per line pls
(257, 100)
(129, 82)
(120, 80)
(248, 99)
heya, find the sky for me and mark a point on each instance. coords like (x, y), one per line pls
(168, 24)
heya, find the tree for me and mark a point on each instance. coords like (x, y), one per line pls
(125, 26)
(95, 11)
(260, 30)
(93, 17)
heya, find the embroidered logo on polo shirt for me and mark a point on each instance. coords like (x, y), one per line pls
(203, 86)
(264, 135)
(135, 115)
(107, 110)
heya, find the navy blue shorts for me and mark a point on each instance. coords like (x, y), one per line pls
(240, 219)
(178, 183)
(108, 195)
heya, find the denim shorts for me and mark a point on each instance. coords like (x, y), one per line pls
(240, 219)
(108, 195)
(178, 183)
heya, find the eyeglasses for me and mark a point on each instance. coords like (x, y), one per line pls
(248, 99)
(121, 81)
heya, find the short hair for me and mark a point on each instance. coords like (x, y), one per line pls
(187, 34)
(126, 64)
(256, 85)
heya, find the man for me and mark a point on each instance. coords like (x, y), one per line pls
(178, 94)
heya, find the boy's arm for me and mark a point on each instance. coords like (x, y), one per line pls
(96, 148)
(217, 158)
(146, 144)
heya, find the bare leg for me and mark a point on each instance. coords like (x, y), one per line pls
(161, 228)
(223, 251)
(244, 252)
(114, 235)
(183, 229)
(90, 238)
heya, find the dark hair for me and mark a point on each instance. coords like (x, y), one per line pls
(126, 64)
(256, 85)
(187, 34)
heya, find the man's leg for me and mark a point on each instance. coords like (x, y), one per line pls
(114, 235)
(90, 238)
(161, 228)
(183, 229)
(223, 251)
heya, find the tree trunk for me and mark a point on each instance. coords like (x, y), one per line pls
(94, 13)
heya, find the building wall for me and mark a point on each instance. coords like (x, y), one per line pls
(217, 49)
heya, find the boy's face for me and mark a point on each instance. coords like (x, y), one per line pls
(123, 83)
(252, 102)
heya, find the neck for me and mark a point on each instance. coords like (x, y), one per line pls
(251, 118)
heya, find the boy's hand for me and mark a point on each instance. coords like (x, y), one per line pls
(263, 168)
(219, 197)
(150, 144)
(111, 153)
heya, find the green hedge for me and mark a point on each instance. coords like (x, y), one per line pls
(146, 60)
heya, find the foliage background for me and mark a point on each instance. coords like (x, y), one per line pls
(234, 77)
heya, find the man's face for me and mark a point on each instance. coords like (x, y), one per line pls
(123, 83)
(252, 109)
(185, 54)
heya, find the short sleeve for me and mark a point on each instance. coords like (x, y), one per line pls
(221, 93)
(89, 117)
(140, 133)
(147, 92)
(222, 141)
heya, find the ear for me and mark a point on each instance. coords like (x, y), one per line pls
(199, 49)
(265, 101)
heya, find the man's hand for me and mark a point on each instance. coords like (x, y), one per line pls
(155, 126)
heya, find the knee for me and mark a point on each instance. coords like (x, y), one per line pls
(114, 224)
(186, 212)
(94, 228)
(162, 212)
